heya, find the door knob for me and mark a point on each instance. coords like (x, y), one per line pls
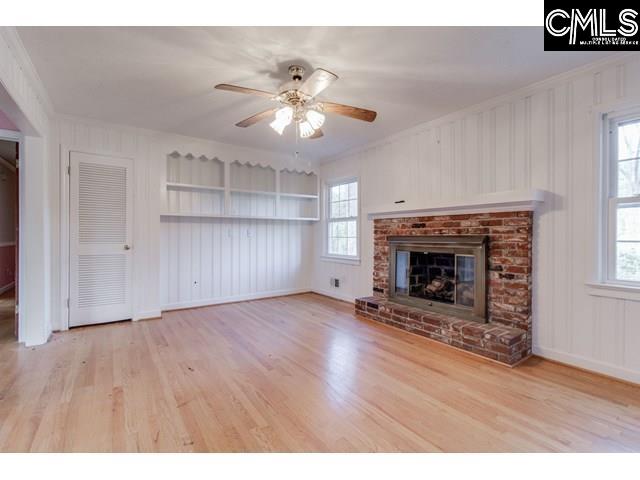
(127, 247)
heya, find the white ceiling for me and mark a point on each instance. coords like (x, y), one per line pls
(163, 78)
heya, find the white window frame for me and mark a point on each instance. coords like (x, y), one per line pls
(349, 259)
(611, 201)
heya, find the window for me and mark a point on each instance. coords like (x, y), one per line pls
(342, 219)
(623, 212)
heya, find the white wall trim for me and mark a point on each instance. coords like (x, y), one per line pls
(234, 298)
(611, 290)
(147, 315)
(29, 107)
(24, 100)
(334, 294)
(10, 135)
(588, 364)
(14, 41)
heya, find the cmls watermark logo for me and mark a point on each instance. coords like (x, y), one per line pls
(600, 29)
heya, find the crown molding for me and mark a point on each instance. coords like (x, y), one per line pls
(11, 36)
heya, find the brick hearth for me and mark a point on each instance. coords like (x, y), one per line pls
(507, 335)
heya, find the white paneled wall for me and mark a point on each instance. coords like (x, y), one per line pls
(85, 136)
(541, 137)
(180, 261)
(206, 261)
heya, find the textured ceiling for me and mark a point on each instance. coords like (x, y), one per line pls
(163, 78)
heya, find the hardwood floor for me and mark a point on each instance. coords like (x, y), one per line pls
(297, 373)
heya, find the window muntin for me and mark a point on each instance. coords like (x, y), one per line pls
(342, 219)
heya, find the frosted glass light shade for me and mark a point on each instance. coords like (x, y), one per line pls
(285, 114)
(306, 130)
(316, 119)
(283, 118)
(278, 126)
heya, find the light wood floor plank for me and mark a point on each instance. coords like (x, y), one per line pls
(298, 373)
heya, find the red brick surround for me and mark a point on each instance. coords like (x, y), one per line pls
(507, 335)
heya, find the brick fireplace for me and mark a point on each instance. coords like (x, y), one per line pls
(506, 335)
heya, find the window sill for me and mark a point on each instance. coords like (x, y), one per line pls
(338, 259)
(613, 290)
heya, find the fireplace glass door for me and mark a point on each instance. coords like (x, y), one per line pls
(447, 277)
(440, 277)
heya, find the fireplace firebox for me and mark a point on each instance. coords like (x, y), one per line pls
(445, 274)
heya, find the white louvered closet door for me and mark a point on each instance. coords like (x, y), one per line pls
(101, 209)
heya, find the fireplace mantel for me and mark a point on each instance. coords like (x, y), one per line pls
(506, 201)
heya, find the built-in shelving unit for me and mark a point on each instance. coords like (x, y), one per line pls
(195, 185)
(202, 187)
(299, 194)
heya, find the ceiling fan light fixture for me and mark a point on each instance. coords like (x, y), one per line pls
(283, 118)
(297, 103)
(285, 115)
(278, 126)
(315, 118)
(306, 130)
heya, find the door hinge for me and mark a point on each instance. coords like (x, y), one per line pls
(17, 309)
(17, 163)
(68, 302)
(69, 170)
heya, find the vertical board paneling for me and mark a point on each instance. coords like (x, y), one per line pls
(218, 259)
(181, 261)
(502, 137)
(558, 280)
(632, 335)
(581, 217)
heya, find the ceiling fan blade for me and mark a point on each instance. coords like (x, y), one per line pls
(317, 134)
(349, 111)
(318, 81)
(247, 122)
(249, 91)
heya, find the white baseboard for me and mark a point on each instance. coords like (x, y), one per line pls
(588, 364)
(147, 314)
(7, 287)
(234, 298)
(334, 294)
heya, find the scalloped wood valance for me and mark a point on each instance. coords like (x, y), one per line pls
(254, 163)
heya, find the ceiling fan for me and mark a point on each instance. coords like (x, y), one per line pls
(298, 103)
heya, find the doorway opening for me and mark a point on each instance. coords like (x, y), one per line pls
(9, 163)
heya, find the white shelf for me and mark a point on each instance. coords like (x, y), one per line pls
(506, 201)
(241, 217)
(193, 186)
(299, 195)
(253, 192)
